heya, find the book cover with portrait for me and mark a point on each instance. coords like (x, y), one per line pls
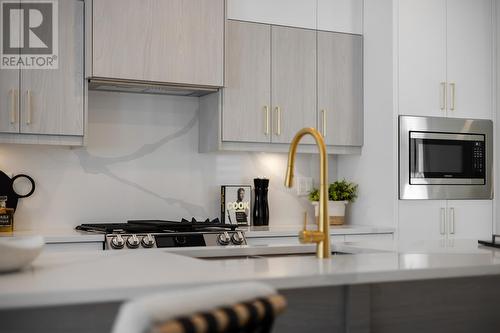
(235, 204)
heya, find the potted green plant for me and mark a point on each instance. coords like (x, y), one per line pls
(340, 193)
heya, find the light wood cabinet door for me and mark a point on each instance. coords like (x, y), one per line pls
(9, 100)
(52, 101)
(470, 58)
(422, 57)
(247, 94)
(293, 88)
(340, 88)
(174, 41)
(470, 219)
(341, 16)
(422, 220)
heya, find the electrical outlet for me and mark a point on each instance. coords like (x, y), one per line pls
(304, 185)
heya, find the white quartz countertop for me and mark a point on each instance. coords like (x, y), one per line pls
(293, 230)
(70, 235)
(69, 278)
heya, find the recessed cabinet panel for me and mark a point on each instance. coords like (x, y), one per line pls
(470, 53)
(422, 57)
(52, 101)
(340, 88)
(293, 88)
(247, 96)
(294, 13)
(174, 41)
(341, 15)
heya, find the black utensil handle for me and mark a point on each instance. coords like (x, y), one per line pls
(30, 180)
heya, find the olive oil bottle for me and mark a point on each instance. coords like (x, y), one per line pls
(6, 216)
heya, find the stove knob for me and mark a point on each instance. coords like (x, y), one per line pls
(223, 239)
(237, 238)
(133, 242)
(148, 241)
(117, 242)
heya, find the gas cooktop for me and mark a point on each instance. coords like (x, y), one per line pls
(137, 234)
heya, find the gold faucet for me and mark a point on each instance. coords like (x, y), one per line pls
(322, 236)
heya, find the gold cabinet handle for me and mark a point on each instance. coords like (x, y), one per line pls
(452, 88)
(443, 96)
(266, 120)
(278, 120)
(451, 226)
(442, 222)
(28, 107)
(323, 114)
(13, 106)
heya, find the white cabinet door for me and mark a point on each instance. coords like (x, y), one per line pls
(247, 93)
(293, 88)
(470, 219)
(470, 53)
(422, 220)
(174, 41)
(293, 13)
(9, 100)
(340, 88)
(52, 101)
(422, 57)
(341, 16)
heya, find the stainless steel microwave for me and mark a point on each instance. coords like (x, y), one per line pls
(445, 158)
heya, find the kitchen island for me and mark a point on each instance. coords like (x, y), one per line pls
(349, 292)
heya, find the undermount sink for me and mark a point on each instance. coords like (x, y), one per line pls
(264, 256)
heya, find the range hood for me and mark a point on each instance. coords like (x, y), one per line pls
(141, 87)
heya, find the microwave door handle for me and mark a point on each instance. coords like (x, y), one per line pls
(420, 159)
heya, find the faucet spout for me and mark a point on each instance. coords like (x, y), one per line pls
(322, 236)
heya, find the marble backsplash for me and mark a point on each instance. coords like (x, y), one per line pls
(142, 161)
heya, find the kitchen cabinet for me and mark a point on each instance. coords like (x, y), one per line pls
(43, 105)
(177, 41)
(340, 15)
(445, 58)
(340, 88)
(293, 13)
(275, 78)
(293, 87)
(247, 96)
(445, 219)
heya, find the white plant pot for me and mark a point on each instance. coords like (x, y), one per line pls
(336, 211)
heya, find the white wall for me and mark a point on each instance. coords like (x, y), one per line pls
(142, 161)
(376, 169)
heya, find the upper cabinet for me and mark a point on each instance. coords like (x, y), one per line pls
(329, 15)
(341, 16)
(179, 42)
(47, 104)
(279, 80)
(446, 58)
(293, 77)
(340, 88)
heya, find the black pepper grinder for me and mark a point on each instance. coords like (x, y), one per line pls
(261, 206)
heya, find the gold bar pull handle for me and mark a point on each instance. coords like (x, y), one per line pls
(451, 227)
(442, 222)
(266, 120)
(278, 120)
(443, 96)
(323, 115)
(452, 92)
(13, 106)
(28, 107)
